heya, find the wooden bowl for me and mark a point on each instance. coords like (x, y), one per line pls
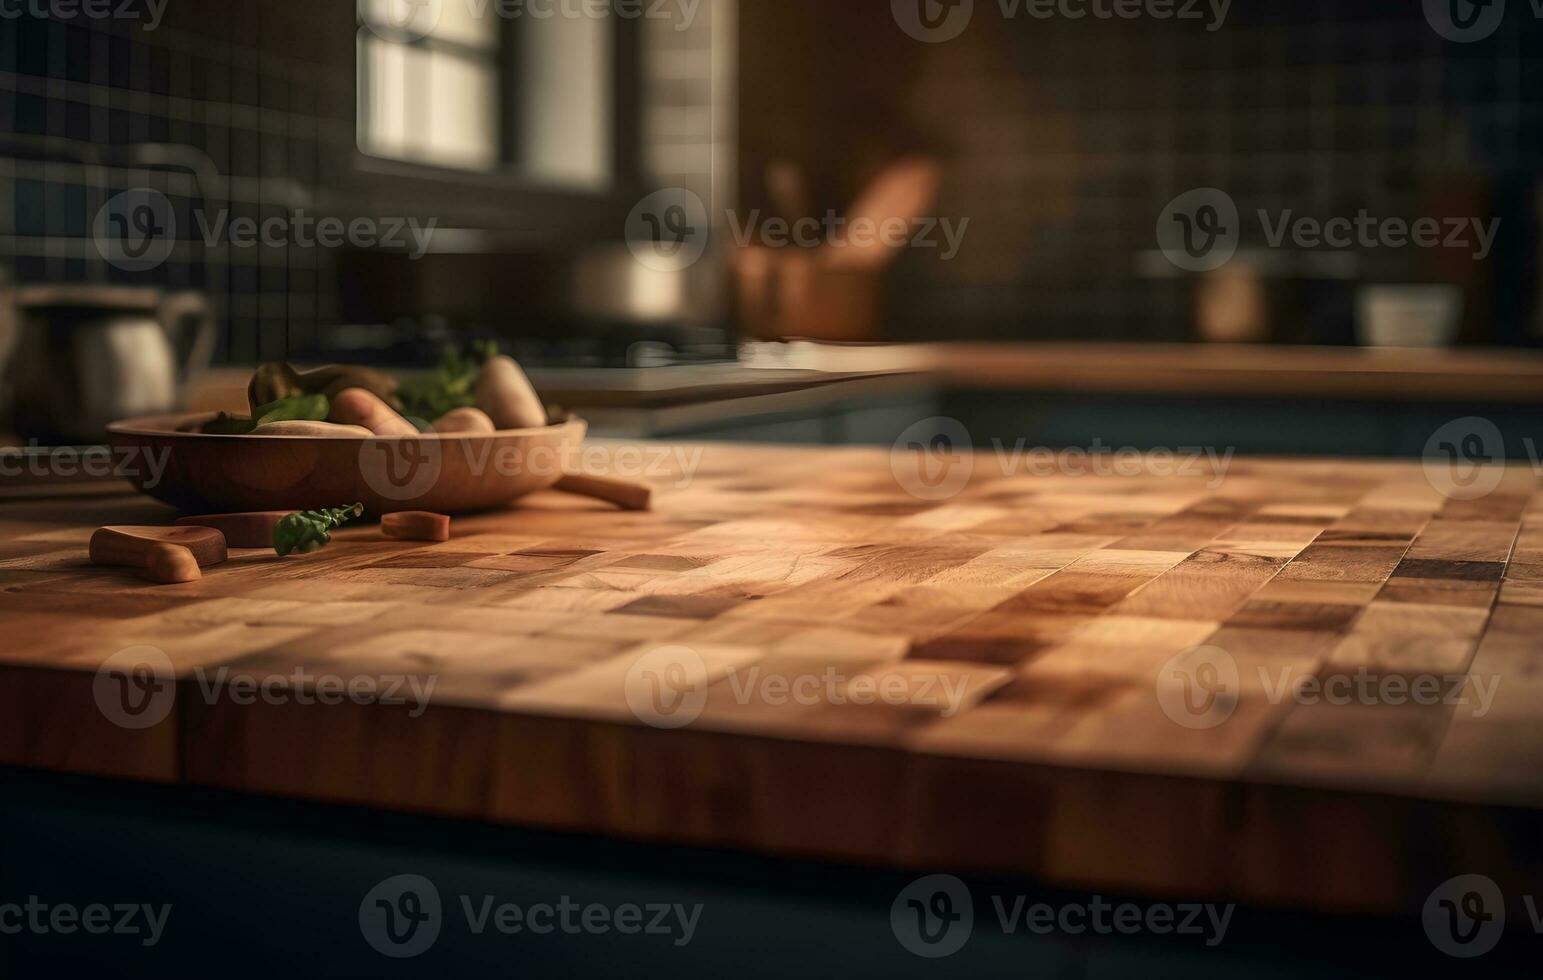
(447, 474)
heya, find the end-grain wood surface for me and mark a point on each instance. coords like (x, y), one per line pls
(982, 681)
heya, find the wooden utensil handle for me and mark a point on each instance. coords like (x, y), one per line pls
(158, 561)
(626, 494)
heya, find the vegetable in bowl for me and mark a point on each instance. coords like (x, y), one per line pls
(462, 390)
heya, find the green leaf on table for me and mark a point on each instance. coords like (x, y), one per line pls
(311, 530)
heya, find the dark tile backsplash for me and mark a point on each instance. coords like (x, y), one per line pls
(262, 91)
(1065, 139)
(249, 89)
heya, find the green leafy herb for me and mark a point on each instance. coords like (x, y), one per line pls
(311, 530)
(451, 386)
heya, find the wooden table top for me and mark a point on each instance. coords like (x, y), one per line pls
(795, 655)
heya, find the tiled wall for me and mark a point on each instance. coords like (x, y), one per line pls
(264, 91)
(1066, 138)
(245, 87)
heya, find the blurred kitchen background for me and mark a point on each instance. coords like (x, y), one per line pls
(539, 146)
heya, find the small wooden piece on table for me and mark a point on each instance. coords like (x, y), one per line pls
(251, 530)
(166, 555)
(416, 525)
(626, 494)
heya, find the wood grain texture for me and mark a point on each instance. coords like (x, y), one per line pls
(983, 682)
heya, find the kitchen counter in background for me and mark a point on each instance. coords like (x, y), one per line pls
(1380, 374)
(1260, 400)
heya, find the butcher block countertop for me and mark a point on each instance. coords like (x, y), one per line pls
(793, 655)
